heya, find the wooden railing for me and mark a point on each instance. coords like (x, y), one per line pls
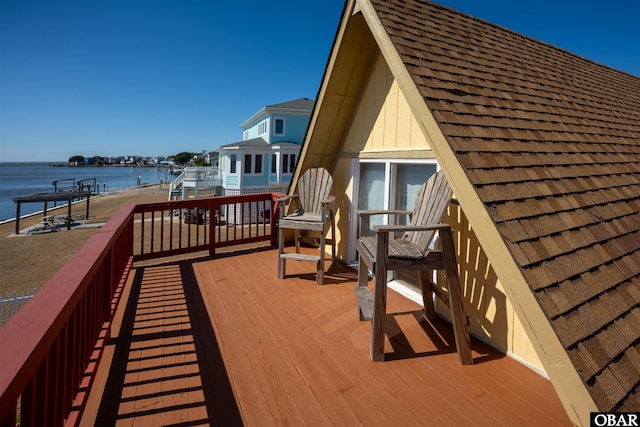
(172, 228)
(50, 349)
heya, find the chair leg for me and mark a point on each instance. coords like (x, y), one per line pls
(363, 279)
(333, 240)
(377, 323)
(380, 305)
(458, 318)
(427, 293)
(320, 273)
(281, 261)
(297, 240)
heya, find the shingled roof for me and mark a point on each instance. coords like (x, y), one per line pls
(550, 142)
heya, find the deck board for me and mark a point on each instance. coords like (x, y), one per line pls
(223, 341)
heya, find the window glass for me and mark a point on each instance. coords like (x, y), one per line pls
(278, 127)
(410, 178)
(247, 163)
(288, 163)
(388, 184)
(292, 163)
(232, 166)
(371, 194)
(274, 166)
(258, 168)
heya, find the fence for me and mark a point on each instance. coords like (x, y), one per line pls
(10, 305)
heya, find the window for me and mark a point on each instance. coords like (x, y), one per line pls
(232, 166)
(292, 162)
(247, 163)
(288, 163)
(274, 163)
(389, 184)
(258, 163)
(278, 126)
(252, 164)
(262, 128)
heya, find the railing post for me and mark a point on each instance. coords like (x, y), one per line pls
(212, 228)
(275, 214)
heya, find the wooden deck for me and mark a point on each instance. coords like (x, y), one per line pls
(225, 342)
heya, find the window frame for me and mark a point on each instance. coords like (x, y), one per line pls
(257, 164)
(233, 163)
(390, 197)
(263, 127)
(252, 164)
(247, 164)
(275, 126)
(390, 181)
(288, 163)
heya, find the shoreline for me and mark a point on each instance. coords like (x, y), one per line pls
(23, 179)
(94, 196)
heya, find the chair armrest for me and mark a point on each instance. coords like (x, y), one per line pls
(330, 199)
(364, 216)
(284, 201)
(394, 228)
(285, 198)
(368, 212)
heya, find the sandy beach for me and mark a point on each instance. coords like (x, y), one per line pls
(27, 261)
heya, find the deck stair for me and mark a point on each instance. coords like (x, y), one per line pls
(176, 193)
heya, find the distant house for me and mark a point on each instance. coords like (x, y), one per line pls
(267, 155)
(542, 150)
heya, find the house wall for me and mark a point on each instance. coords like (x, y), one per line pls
(383, 126)
(492, 317)
(295, 128)
(252, 131)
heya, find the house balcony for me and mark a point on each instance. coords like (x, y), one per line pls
(169, 320)
(192, 180)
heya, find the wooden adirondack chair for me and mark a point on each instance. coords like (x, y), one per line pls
(314, 212)
(382, 252)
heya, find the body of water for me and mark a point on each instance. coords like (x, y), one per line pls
(24, 179)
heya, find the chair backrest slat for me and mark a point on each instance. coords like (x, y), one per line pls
(313, 187)
(431, 204)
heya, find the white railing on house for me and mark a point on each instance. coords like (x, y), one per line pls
(194, 179)
(10, 305)
(254, 213)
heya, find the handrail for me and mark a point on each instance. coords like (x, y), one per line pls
(52, 346)
(183, 226)
(205, 175)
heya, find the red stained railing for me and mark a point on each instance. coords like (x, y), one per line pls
(172, 228)
(50, 349)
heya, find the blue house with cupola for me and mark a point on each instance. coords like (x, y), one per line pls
(265, 159)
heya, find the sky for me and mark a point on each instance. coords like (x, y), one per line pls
(158, 77)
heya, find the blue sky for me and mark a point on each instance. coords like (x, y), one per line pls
(157, 77)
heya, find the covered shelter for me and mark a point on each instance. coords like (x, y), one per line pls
(60, 196)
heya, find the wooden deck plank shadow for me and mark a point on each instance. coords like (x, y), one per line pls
(235, 345)
(166, 366)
